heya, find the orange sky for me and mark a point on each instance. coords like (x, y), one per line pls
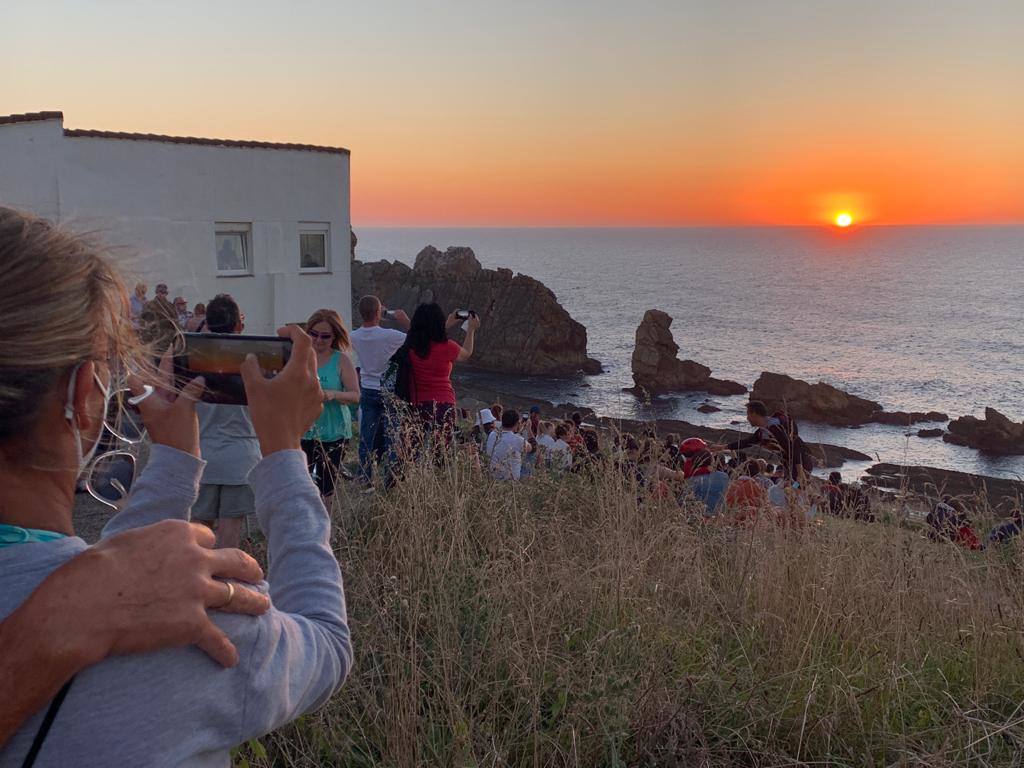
(562, 113)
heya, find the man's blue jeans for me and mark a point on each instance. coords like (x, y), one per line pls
(371, 431)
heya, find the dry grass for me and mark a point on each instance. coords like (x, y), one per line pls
(559, 622)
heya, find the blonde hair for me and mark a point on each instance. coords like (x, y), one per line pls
(61, 300)
(333, 319)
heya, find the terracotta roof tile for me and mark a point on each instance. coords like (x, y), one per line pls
(30, 117)
(78, 133)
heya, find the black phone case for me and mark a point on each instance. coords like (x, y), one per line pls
(223, 388)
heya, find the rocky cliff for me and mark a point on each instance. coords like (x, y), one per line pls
(523, 327)
(657, 368)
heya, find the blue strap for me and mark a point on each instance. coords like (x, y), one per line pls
(13, 534)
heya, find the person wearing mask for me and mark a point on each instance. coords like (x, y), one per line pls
(229, 447)
(326, 440)
(56, 382)
(506, 447)
(431, 356)
(374, 346)
(198, 318)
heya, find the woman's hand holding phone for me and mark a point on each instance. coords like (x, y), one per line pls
(284, 407)
(168, 414)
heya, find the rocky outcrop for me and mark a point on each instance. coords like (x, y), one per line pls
(933, 483)
(905, 418)
(813, 402)
(993, 434)
(826, 404)
(657, 369)
(927, 433)
(523, 327)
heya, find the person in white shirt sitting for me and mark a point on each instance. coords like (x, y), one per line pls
(560, 454)
(505, 447)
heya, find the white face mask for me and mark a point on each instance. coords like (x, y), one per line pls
(83, 456)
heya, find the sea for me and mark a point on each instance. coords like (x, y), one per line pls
(917, 318)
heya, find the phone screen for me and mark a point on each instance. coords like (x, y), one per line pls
(217, 357)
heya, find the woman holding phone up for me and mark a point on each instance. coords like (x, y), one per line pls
(66, 325)
(431, 356)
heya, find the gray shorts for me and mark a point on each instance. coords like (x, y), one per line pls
(216, 501)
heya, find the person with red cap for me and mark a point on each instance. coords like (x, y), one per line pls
(689, 448)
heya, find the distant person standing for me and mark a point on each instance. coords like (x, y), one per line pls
(374, 347)
(159, 320)
(229, 445)
(431, 357)
(325, 442)
(138, 301)
(181, 307)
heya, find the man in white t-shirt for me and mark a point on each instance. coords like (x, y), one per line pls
(505, 448)
(374, 346)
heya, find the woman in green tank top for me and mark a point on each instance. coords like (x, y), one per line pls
(325, 442)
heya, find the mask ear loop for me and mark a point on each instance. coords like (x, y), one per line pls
(69, 403)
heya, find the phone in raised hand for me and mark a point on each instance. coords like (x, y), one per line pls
(217, 357)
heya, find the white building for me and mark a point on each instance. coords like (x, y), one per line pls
(267, 223)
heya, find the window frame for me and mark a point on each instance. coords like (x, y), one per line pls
(315, 228)
(234, 228)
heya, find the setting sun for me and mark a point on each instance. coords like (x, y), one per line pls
(844, 219)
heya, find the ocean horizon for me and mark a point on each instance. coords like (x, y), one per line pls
(915, 317)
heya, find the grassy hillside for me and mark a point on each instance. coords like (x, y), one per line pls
(561, 622)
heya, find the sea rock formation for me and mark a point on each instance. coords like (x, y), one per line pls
(933, 483)
(930, 432)
(814, 402)
(523, 327)
(994, 434)
(657, 370)
(905, 418)
(824, 403)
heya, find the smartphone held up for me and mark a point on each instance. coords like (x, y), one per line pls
(218, 358)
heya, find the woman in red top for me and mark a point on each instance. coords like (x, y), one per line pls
(431, 356)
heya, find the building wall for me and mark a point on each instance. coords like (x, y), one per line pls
(157, 203)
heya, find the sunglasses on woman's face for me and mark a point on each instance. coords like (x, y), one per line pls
(110, 477)
(321, 336)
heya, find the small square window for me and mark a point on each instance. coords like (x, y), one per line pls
(313, 248)
(233, 248)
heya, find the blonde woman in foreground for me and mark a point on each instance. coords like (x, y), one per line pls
(65, 321)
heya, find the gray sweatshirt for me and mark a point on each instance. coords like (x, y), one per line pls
(177, 706)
